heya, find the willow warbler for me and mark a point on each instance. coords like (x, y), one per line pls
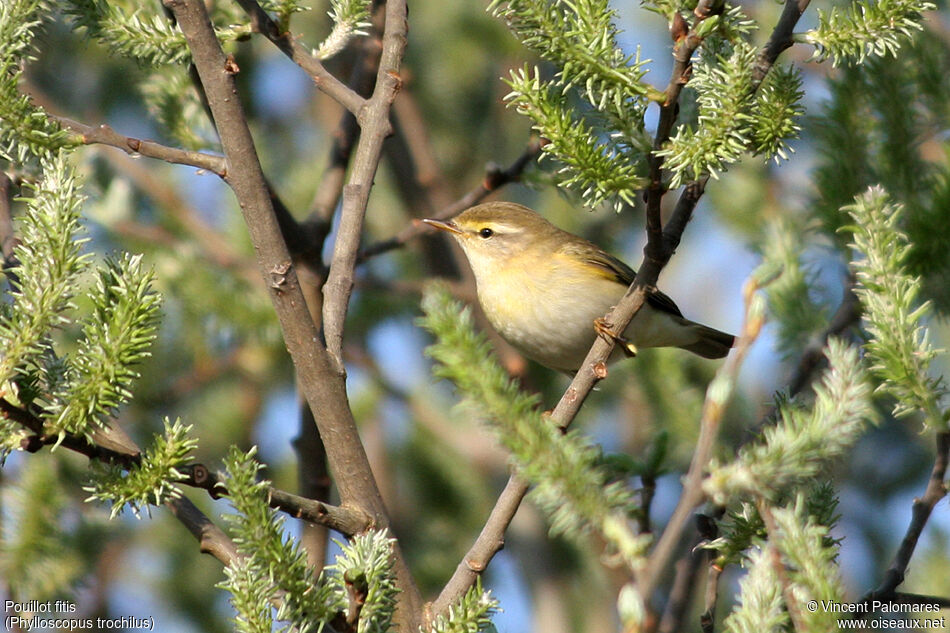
(543, 289)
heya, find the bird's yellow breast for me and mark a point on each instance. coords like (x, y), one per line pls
(546, 307)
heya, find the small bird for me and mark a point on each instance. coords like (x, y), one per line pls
(545, 290)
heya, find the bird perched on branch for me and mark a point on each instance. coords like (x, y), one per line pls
(545, 290)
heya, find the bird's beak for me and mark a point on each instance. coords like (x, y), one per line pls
(449, 226)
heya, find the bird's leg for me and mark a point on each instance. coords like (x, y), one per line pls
(605, 329)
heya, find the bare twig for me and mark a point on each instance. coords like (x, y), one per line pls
(713, 410)
(779, 40)
(687, 574)
(316, 227)
(684, 46)
(647, 492)
(211, 539)
(347, 521)
(289, 46)
(374, 128)
(215, 248)
(681, 593)
(682, 213)
(321, 375)
(124, 454)
(105, 135)
(847, 315)
(923, 506)
(489, 542)
(707, 620)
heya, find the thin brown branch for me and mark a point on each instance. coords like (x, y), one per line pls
(320, 374)
(682, 213)
(647, 492)
(374, 128)
(215, 248)
(920, 513)
(328, 192)
(846, 316)
(687, 575)
(489, 542)
(330, 187)
(707, 620)
(685, 44)
(681, 593)
(289, 46)
(713, 410)
(313, 472)
(779, 40)
(495, 178)
(346, 521)
(126, 456)
(105, 135)
(211, 539)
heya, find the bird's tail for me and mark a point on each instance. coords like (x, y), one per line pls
(710, 343)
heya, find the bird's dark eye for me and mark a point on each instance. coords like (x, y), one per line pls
(486, 233)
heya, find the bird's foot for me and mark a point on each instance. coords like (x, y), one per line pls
(605, 329)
